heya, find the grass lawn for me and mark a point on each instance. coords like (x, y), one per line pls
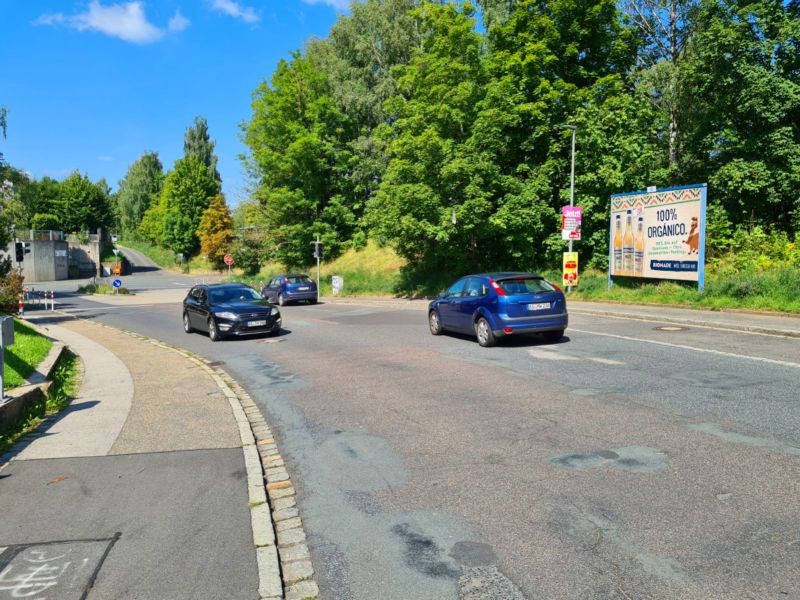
(29, 349)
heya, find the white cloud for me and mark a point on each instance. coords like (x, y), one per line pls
(126, 21)
(234, 9)
(178, 22)
(337, 4)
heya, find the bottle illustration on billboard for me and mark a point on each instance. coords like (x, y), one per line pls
(627, 246)
(638, 249)
(618, 246)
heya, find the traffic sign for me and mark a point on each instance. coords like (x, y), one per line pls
(228, 259)
(117, 283)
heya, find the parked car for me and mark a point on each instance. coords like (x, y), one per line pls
(283, 289)
(229, 309)
(494, 305)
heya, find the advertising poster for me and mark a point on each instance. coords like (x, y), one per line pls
(660, 234)
(570, 268)
(571, 217)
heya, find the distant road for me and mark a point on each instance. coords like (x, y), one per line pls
(138, 260)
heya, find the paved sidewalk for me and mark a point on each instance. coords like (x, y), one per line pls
(138, 490)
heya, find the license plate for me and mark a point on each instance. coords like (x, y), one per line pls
(303, 289)
(257, 323)
(539, 306)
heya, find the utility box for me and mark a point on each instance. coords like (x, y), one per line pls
(6, 331)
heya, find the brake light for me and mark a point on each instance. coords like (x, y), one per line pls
(500, 291)
(558, 289)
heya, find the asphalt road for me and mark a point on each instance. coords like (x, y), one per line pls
(625, 462)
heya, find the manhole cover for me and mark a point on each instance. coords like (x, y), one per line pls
(671, 328)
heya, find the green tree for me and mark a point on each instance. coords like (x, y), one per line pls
(216, 231)
(151, 227)
(432, 171)
(185, 196)
(197, 142)
(297, 154)
(82, 204)
(743, 68)
(141, 185)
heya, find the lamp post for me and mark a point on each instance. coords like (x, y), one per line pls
(571, 180)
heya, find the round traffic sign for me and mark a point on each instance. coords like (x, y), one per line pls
(228, 259)
(117, 283)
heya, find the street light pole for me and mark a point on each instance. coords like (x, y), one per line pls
(571, 181)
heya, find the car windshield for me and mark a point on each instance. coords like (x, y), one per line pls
(223, 295)
(525, 285)
(298, 279)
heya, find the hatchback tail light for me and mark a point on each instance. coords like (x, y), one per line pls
(500, 291)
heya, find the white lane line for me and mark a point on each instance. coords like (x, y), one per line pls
(771, 361)
(104, 307)
(548, 355)
(607, 361)
(551, 354)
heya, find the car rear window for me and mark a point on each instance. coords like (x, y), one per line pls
(298, 279)
(525, 285)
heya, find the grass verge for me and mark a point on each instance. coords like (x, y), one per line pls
(30, 348)
(102, 288)
(776, 290)
(66, 381)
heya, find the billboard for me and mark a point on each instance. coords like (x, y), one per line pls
(659, 234)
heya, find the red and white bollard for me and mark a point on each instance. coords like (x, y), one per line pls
(21, 306)
(52, 300)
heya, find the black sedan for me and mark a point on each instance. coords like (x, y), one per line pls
(228, 309)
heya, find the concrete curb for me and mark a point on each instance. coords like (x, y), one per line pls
(284, 561)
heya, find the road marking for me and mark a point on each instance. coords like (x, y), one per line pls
(607, 361)
(549, 355)
(546, 353)
(105, 307)
(772, 361)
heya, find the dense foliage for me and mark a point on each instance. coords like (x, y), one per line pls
(417, 126)
(141, 185)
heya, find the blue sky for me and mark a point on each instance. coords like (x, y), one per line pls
(92, 84)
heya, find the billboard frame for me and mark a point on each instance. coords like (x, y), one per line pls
(701, 258)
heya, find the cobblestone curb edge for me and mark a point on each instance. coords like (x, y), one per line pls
(284, 562)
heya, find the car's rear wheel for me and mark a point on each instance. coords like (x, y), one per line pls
(484, 332)
(553, 336)
(312, 301)
(281, 300)
(434, 323)
(213, 331)
(186, 327)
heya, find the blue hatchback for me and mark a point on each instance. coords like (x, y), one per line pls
(282, 289)
(494, 305)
